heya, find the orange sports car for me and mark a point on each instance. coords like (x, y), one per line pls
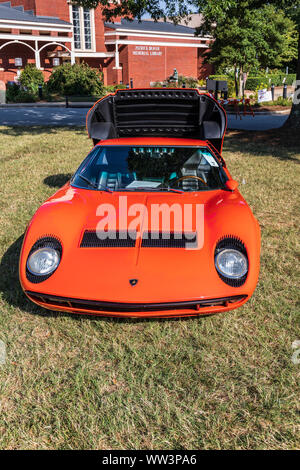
(151, 224)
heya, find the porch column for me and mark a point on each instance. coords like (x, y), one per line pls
(37, 56)
(117, 57)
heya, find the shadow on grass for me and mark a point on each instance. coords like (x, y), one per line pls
(17, 131)
(57, 181)
(14, 295)
(277, 143)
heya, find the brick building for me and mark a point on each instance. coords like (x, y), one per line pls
(48, 33)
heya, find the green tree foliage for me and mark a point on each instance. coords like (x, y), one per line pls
(217, 11)
(31, 78)
(77, 79)
(250, 39)
(172, 9)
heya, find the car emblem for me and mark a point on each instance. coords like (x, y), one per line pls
(133, 282)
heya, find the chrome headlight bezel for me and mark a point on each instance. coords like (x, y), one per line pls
(47, 244)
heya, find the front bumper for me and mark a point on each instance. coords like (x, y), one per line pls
(137, 310)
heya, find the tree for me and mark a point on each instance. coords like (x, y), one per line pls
(218, 10)
(252, 39)
(214, 11)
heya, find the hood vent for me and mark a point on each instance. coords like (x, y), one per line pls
(168, 240)
(125, 239)
(93, 239)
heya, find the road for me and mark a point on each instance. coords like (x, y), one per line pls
(76, 117)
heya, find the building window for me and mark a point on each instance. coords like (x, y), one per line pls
(82, 28)
(76, 27)
(87, 28)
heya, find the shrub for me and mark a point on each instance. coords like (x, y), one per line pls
(17, 94)
(26, 96)
(265, 81)
(31, 78)
(190, 82)
(12, 91)
(260, 81)
(113, 88)
(77, 79)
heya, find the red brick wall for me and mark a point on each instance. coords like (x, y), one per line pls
(27, 4)
(58, 8)
(204, 70)
(156, 63)
(99, 30)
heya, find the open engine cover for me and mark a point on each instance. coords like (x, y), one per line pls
(158, 112)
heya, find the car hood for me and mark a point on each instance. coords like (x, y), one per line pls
(162, 274)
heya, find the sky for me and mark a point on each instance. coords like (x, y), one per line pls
(147, 16)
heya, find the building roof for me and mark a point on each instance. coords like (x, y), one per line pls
(18, 14)
(148, 25)
(194, 20)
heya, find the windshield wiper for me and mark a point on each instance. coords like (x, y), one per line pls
(178, 191)
(94, 185)
(153, 190)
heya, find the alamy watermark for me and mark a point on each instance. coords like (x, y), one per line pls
(296, 95)
(2, 353)
(296, 354)
(152, 221)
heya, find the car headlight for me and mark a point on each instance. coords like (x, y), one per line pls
(43, 261)
(231, 263)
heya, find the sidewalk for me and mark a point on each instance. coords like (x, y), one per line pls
(60, 104)
(90, 104)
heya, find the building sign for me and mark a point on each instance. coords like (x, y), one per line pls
(147, 50)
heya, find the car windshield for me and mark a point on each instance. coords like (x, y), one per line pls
(149, 168)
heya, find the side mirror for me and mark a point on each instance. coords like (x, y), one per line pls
(231, 185)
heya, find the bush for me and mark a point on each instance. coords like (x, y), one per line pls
(77, 79)
(16, 94)
(26, 96)
(265, 81)
(287, 102)
(113, 88)
(31, 78)
(12, 91)
(190, 82)
(258, 82)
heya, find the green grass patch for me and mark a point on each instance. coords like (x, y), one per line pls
(225, 381)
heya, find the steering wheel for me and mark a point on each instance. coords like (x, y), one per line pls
(190, 176)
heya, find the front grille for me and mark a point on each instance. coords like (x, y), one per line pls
(168, 240)
(133, 307)
(93, 239)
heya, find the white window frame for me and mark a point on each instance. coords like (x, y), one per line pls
(82, 36)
